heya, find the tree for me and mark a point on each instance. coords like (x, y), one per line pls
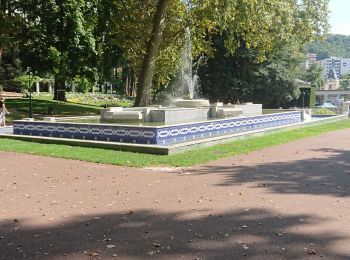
(132, 36)
(10, 24)
(143, 96)
(335, 45)
(109, 54)
(10, 67)
(314, 76)
(345, 82)
(25, 82)
(262, 25)
(239, 77)
(59, 39)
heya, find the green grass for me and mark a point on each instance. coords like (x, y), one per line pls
(99, 100)
(19, 108)
(188, 158)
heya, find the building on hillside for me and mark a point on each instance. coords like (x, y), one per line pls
(311, 59)
(345, 67)
(341, 66)
(332, 81)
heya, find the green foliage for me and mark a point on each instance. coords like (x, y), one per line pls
(233, 77)
(82, 84)
(101, 100)
(335, 45)
(345, 82)
(10, 68)
(312, 97)
(323, 111)
(261, 25)
(314, 76)
(25, 82)
(11, 24)
(306, 97)
(59, 39)
(91, 37)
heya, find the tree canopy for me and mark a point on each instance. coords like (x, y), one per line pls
(262, 25)
(239, 78)
(91, 38)
(335, 45)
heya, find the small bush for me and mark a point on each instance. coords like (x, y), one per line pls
(24, 82)
(323, 111)
(82, 84)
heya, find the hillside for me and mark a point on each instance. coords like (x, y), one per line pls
(335, 45)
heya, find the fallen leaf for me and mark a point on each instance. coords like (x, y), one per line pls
(312, 252)
(151, 253)
(157, 245)
(245, 247)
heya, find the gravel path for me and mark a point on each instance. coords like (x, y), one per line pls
(290, 201)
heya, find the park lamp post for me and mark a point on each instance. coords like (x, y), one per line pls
(30, 77)
(303, 93)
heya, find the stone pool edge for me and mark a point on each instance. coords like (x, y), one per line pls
(172, 149)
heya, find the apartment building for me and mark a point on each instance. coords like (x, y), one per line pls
(341, 66)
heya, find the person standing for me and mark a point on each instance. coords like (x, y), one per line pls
(3, 111)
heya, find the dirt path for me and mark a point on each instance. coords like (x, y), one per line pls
(287, 202)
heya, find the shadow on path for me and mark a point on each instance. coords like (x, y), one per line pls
(254, 234)
(319, 176)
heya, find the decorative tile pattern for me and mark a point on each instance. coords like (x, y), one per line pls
(154, 135)
(176, 134)
(86, 131)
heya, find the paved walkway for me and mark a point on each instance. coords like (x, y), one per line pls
(286, 202)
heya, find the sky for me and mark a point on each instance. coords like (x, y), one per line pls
(339, 16)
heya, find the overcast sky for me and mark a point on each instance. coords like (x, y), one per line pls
(339, 16)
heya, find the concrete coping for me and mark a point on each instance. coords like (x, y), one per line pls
(154, 127)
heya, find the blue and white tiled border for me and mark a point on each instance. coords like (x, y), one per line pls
(161, 135)
(110, 133)
(189, 132)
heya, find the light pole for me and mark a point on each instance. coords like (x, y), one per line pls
(30, 77)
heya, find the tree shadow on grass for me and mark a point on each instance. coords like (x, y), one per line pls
(319, 176)
(253, 234)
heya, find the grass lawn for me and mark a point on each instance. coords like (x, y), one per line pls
(99, 100)
(19, 108)
(188, 158)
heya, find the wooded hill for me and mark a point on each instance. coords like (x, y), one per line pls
(335, 45)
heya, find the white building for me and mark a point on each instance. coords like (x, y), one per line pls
(311, 59)
(345, 67)
(341, 66)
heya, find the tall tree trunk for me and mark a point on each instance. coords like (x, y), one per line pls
(60, 90)
(1, 51)
(143, 95)
(127, 86)
(133, 83)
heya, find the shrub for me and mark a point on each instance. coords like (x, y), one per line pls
(24, 82)
(82, 84)
(323, 111)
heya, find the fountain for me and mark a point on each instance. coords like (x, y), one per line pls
(188, 119)
(188, 109)
(187, 82)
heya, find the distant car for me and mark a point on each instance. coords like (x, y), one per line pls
(326, 105)
(337, 102)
